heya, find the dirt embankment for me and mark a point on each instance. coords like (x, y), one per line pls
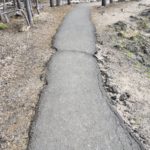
(123, 44)
(23, 56)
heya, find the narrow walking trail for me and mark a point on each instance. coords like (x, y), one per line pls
(73, 112)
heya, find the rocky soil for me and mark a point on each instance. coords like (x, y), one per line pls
(23, 57)
(123, 44)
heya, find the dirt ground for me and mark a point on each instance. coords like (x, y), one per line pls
(123, 44)
(23, 57)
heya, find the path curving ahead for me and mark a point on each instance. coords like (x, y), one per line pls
(73, 112)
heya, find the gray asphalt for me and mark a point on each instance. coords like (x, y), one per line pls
(74, 113)
(76, 32)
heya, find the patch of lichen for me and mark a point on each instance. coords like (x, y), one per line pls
(130, 54)
(128, 34)
(143, 24)
(148, 74)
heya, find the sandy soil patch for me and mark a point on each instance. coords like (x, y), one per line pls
(23, 57)
(123, 44)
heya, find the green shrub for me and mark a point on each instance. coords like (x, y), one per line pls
(3, 26)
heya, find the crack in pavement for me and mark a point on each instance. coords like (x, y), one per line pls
(74, 113)
(74, 51)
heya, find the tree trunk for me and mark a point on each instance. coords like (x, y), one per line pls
(14, 3)
(111, 1)
(30, 4)
(68, 2)
(4, 5)
(37, 6)
(28, 10)
(103, 2)
(51, 3)
(18, 4)
(57, 2)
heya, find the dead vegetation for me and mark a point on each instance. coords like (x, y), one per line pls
(23, 57)
(123, 44)
(133, 38)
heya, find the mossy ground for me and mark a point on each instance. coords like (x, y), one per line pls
(3, 26)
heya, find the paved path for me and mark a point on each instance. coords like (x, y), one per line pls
(74, 113)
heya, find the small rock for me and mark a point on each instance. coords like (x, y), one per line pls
(132, 47)
(101, 42)
(42, 77)
(145, 13)
(107, 81)
(18, 14)
(132, 121)
(147, 30)
(104, 73)
(117, 46)
(145, 50)
(133, 18)
(23, 28)
(140, 59)
(120, 25)
(112, 89)
(114, 97)
(122, 10)
(120, 34)
(124, 96)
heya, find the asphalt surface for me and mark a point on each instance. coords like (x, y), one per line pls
(76, 32)
(74, 113)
